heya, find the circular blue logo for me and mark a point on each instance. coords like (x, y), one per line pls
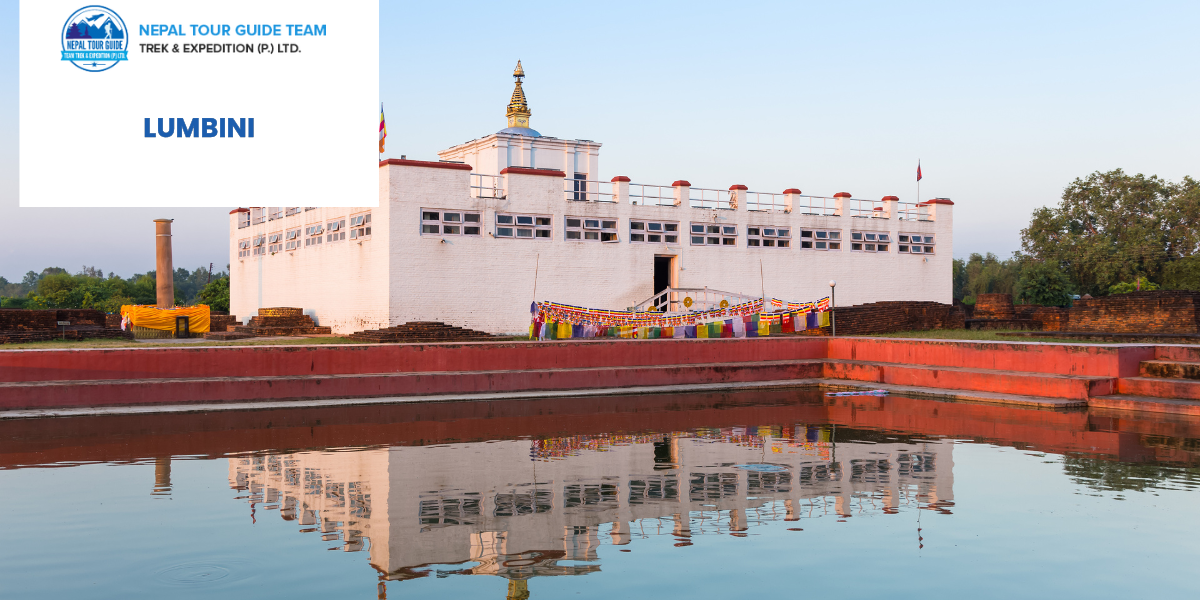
(94, 38)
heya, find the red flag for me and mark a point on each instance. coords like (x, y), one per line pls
(918, 170)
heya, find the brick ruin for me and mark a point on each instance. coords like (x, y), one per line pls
(1176, 311)
(891, 317)
(420, 331)
(270, 322)
(21, 325)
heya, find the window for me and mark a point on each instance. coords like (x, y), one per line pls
(449, 222)
(308, 208)
(258, 215)
(275, 242)
(313, 234)
(704, 234)
(276, 213)
(769, 237)
(244, 248)
(816, 239)
(585, 229)
(335, 231)
(868, 241)
(911, 243)
(360, 226)
(581, 186)
(292, 239)
(260, 245)
(291, 210)
(523, 226)
(243, 220)
(653, 232)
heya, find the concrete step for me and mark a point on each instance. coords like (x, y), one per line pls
(1179, 353)
(1046, 385)
(1159, 387)
(1170, 369)
(1146, 404)
(1027, 357)
(125, 392)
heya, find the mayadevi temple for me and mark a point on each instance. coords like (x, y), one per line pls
(472, 239)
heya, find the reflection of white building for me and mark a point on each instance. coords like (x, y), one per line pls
(459, 240)
(517, 508)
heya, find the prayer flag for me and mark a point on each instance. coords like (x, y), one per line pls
(727, 328)
(382, 128)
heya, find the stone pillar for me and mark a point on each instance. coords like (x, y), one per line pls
(790, 196)
(620, 188)
(737, 196)
(841, 204)
(164, 266)
(891, 207)
(683, 192)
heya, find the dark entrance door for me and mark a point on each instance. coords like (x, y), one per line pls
(662, 273)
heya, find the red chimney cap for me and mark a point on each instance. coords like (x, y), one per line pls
(737, 186)
(842, 195)
(792, 191)
(238, 210)
(939, 201)
(682, 182)
(620, 178)
(891, 198)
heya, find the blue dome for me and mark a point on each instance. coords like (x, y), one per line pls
(520, 131)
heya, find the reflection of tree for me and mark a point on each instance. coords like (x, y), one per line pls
(1107, 475)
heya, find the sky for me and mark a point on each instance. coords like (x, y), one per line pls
(1004, 104)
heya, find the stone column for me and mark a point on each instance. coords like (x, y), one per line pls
(841, 204)
(164, 266)
(790, 196)
(683, 192)
(891, 207)
(620, 189)
(737, 196)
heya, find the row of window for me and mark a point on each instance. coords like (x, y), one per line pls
(311, 235)
(587, 229)
(262, 215)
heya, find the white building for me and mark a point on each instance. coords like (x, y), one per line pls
(459, 240)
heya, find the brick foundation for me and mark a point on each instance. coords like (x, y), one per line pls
(1138, 312)
(20, 325)
(890, 317)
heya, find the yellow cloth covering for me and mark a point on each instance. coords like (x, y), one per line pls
(152, 317)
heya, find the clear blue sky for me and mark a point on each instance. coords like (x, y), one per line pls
(1004, 104)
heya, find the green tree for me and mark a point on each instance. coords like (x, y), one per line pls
(987, 274)
(1113, 227)
(1042, 283)
(1182, 274)
(215, 294)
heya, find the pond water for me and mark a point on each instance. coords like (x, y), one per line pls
(782, 493)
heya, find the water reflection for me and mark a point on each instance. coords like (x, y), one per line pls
(522, 508)
(527, 489)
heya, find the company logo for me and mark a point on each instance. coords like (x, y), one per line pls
(94, 38)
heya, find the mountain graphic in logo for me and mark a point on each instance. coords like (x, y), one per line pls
(94, 39)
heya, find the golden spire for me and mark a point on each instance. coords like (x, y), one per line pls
(518, 110)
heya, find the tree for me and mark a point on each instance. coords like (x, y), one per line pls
(1182, 274)
(1114, 227)
(987, 274)
(1042, 283)
(215, 294)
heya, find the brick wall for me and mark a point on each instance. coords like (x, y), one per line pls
(994, 306)
(890, 317)
(15, 319)
(1138, 312)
